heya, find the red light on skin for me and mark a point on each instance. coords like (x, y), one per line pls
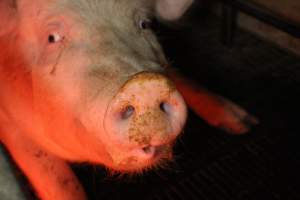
(16, 106)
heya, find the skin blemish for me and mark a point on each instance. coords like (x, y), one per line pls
(40, 154)
(61, 51)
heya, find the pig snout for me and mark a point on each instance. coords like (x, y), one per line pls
(146, 115)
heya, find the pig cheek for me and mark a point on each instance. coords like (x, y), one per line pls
(59, 75)
(47, 89)
(57, 98)
(92, 116)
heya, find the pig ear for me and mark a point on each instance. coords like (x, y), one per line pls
(171, 9)
(8, 13)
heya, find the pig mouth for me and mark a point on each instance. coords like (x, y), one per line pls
(132, 165)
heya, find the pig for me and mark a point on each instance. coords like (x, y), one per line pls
(87, 81)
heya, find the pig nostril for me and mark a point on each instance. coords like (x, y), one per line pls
(148, 150)
(127, 112)
(165, 107)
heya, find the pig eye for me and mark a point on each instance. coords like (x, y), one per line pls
(54, 37)
(144, 24)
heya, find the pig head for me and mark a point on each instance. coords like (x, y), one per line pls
(84, 80)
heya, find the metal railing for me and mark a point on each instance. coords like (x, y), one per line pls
(232, 7)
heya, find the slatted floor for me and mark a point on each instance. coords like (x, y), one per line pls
(243, 175)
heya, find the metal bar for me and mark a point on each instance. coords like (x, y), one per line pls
(266, 16)
(229, 24)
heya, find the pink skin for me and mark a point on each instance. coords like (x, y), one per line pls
(125, 117)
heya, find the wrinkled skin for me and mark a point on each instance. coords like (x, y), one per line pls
(76, 77)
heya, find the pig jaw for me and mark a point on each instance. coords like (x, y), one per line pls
(143, 121)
